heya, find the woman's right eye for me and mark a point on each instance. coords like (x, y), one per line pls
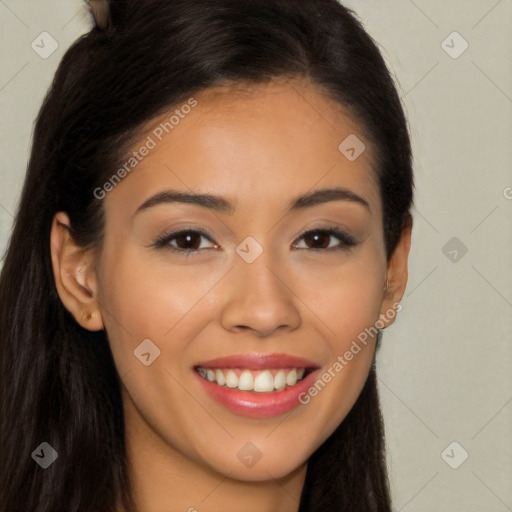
(186, 241)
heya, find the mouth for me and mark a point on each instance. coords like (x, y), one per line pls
(257, 385)
(258, 381)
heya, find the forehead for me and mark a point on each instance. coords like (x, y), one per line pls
(248, 141)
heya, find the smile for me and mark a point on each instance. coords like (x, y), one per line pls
(256, 385)
(260, 381)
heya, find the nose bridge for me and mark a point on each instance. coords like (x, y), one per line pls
(259, 297)
(261, 275)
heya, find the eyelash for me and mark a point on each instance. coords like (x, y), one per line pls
(346, 240)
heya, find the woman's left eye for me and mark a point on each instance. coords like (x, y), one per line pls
(322, 238)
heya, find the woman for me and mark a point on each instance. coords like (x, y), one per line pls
(214, 228)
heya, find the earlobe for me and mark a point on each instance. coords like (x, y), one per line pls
(74, 275)
(397, 276)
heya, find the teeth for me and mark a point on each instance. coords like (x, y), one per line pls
(280, 380)
(291, 378)
(262, 382)
(219, 377)
(231, 379)
(245, 383)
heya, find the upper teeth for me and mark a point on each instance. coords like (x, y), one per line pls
(248, 380)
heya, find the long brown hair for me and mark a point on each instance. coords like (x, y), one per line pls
(58, 381)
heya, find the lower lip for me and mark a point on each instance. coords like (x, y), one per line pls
(254, 404)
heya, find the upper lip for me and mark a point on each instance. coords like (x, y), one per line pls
(258, 362)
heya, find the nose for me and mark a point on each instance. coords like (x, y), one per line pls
(259, 298)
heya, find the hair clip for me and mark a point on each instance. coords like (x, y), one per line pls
(100, 10)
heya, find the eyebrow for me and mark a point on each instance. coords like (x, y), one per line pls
(222, 205)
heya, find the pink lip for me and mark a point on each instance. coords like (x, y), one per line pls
(255, 404)
(259, 362)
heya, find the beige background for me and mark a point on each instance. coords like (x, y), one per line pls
(445, 366)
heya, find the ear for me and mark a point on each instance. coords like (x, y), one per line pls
(74, 275)
(397, 275)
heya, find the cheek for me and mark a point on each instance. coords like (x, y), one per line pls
(149, 295)
(345, 302)
(143, 301)
(345, 297)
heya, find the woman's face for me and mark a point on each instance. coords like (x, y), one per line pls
(255, 290)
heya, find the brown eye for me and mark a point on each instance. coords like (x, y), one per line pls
(325, 239)
(188, 241)
(320, 239)
(185, 241)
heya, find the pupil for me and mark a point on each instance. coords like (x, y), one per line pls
(315, 237)
(187, 241)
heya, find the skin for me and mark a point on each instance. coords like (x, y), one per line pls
(258, 147)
